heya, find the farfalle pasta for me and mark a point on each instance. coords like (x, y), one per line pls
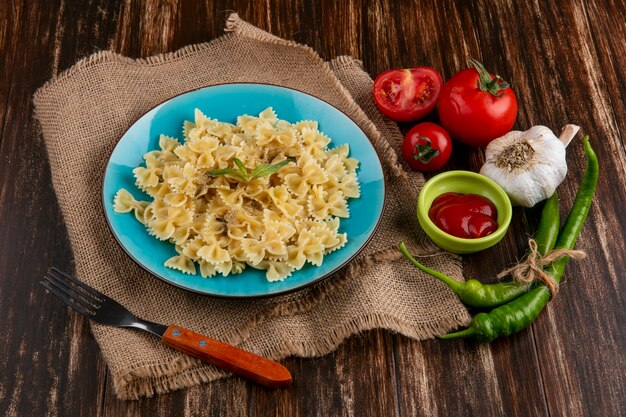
(263, 193)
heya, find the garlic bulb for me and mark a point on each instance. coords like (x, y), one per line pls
(528, 165)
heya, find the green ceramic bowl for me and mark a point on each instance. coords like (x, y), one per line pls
(465, 182)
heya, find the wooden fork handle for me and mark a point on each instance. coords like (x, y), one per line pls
(240, 362)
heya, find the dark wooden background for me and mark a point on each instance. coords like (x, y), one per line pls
(566, 63)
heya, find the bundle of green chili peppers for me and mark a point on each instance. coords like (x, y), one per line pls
(516, 306)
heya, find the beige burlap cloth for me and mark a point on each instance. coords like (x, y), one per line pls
(85, 110)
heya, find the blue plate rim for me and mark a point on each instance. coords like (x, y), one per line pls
(255, 296)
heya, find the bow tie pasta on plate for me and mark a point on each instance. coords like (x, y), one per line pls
(264, 192)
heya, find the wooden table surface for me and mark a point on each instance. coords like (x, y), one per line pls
(566, 63)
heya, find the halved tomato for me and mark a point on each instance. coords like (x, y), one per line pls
(407, 95)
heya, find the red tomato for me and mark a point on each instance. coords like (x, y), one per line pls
(407, 95)
(476, 107)
(426, 147)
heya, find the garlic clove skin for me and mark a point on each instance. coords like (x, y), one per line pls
(528, 165)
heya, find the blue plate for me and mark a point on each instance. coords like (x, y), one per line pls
(226, 102)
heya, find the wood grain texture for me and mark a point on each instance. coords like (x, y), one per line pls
(47, 352)
(329, 386)
(590, 309)
(565, 61)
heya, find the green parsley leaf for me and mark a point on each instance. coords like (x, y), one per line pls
(263, 170)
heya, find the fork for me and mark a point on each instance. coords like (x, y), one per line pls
(102, 309)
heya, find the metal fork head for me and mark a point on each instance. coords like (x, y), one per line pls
(94, 305)
(86, 300)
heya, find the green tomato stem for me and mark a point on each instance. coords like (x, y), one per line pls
(494, 86)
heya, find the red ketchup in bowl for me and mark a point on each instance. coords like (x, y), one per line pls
(467, 216)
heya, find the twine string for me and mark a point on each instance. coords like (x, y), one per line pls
(531, 269)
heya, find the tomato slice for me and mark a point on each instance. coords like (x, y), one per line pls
(407, 95)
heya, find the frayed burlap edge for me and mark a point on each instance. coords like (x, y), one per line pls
(147, 380)
(387, 155)
(183, 373)
(187, 371)
(234, 26)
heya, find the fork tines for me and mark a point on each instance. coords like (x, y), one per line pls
(77, 295)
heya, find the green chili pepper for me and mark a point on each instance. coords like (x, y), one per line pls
(522, 312)
(473, 293)
(549, 224)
